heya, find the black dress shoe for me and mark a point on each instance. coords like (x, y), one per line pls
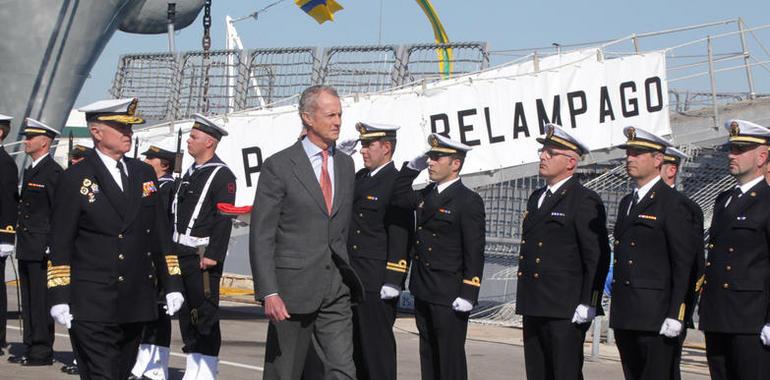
(16, 359)
(72, 370)
(29, 362)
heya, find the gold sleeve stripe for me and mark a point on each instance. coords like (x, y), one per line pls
(400, 266)
(682, 307)
(8, 230)
(58, 275)
(699, 283)
(172, 264)
(473, 282)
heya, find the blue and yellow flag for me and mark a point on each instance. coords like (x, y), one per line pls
(320, 10)
(444, 55)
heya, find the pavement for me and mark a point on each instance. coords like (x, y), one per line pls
(493, 352)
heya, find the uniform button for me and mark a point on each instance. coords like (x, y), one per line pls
(540, 244)
(730, 250)
(417, 257)
(613, 280)
(523, 241)
(537, 260)
(27, 204)
(355, 247)
(633, 244)
(149, 254)
(120, 236)
(430, 249)
(120, 256)
(358, 232)
(26, 216)
(728, 268)
(521, 257)
(149, 276)
(427, 264)
(711, 245)
(708, 263)
(417, 242)
(617, 242)
(419, 227)
(615, 261)
(361, 214)
(519, 274)
(434, 235)
(725, 285)
(148, 231)
(627, 283)
(536, 275)
(630, 262)
(120, 278)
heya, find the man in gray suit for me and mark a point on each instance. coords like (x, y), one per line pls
(299, 259)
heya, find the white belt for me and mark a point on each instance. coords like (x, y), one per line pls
(191, 241)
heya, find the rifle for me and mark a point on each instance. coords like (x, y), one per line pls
(69, 147)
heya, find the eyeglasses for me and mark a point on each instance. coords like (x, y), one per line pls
(550, 153)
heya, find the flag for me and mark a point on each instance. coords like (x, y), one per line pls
(320, 10)
(444, 54)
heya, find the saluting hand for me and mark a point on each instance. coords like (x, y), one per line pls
(275, 309)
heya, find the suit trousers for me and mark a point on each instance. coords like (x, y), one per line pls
(38, 324)
(676, 373)
(158, 332)
(553, 348)
(330, 329)
(3, 304)
(373, 340)
(198, 310)
(645, 355)
(442, 341)
(737, 356)
(105, 350)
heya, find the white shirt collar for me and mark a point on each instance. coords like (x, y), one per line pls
(642, 191)
(375, 171)
(35, 162)
(557, 185)
(748, 185)
(442, 186)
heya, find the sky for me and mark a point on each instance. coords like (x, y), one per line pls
(503, 24)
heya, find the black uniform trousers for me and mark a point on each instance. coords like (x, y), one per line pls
(646, 355)
(158, 332)
(96, 351)
(198, 310)
(737, 356)
(553, 348)
(442, 341)
(3, 304)
(37, 322)
(373, 340)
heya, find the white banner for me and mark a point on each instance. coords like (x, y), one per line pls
(499, 112)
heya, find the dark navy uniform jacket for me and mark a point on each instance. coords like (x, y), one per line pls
(36, 202)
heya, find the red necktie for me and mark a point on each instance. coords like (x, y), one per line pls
(326, 182)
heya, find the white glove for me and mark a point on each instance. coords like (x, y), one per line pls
(462, 305)
(584, 314)
(347, 146)
(389, 291)
(671, 328)
(174, 301)
(6, 250)
(764, 336)
(61, 314)
(418, 163)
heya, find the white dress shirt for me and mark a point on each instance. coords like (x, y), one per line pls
(35, 162)
(442, 186)
(553, 189)
(746, 187)
(112, 167)
(642, 191)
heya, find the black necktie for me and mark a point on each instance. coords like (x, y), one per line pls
(734, 195)
(123, 176)
(634, 201)
(548, 195)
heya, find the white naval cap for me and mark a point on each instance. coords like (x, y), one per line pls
(674, 156)
(208, 126)
(374, 131)
(120, 111)
(5, 119)
(36, 128)
(640, 139)
(744, 132)
(556, 135)
(444, 146)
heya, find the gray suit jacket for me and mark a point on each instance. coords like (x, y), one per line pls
(294, 245)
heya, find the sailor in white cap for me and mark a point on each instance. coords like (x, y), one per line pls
(377, 244)
(32, 239)
(564, 227)
(201, 236)
(734, 310)
(9, 184)
(673, 160)
(653, 240)
(108, 222)
(448, 256)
